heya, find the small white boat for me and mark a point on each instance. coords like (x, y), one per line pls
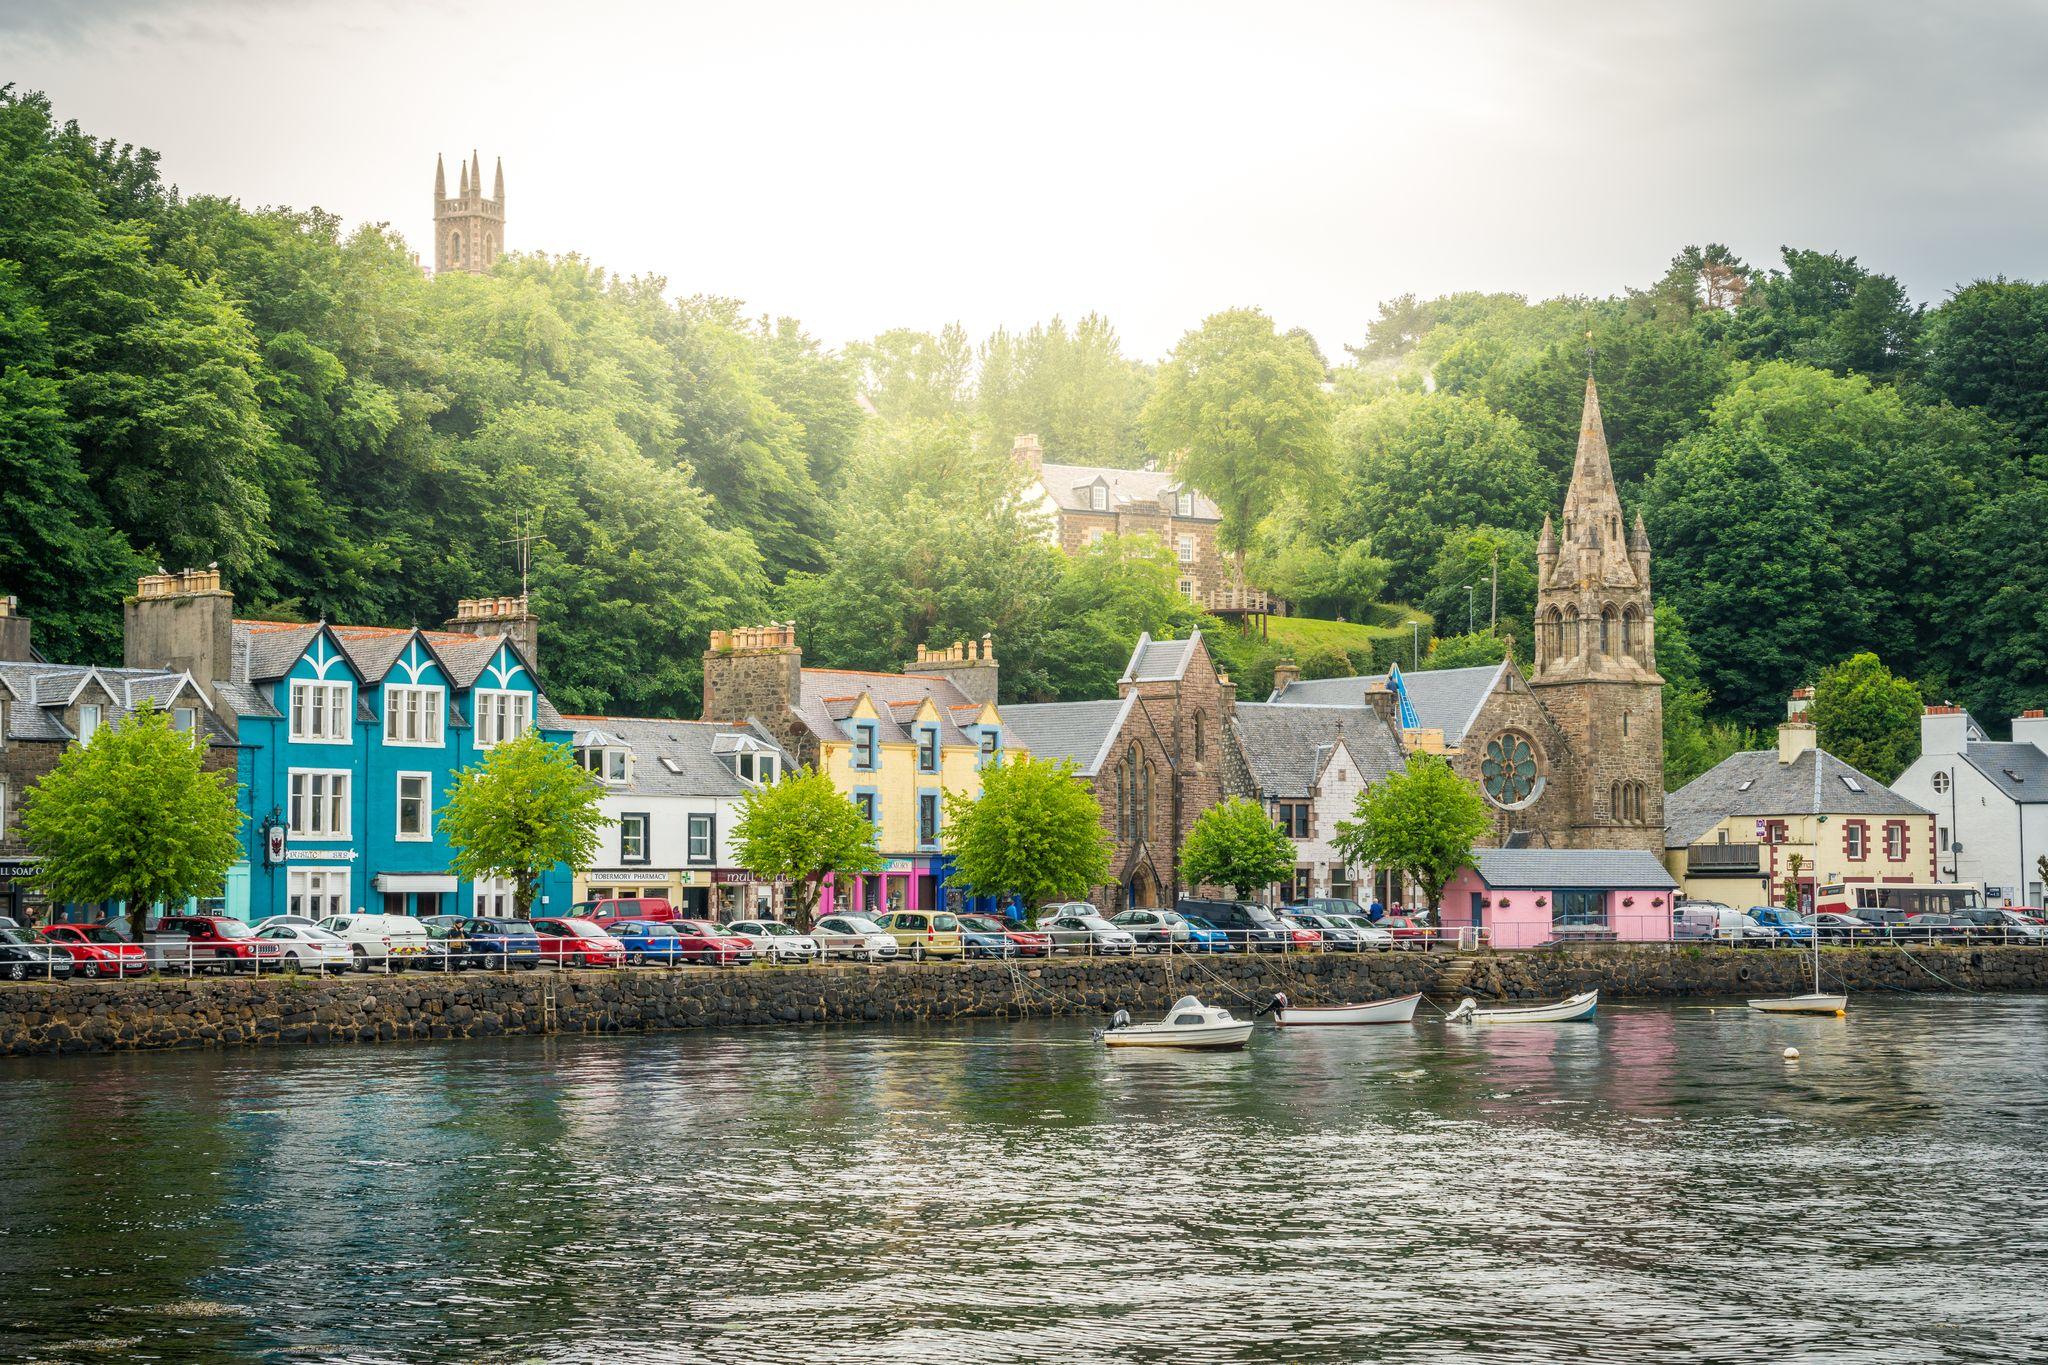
(1803, 1004)
(1398, 1010)
(1189, 1024)
(1580, 1006)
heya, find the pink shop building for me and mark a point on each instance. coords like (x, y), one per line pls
(1526, 897)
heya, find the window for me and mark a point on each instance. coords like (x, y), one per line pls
(1184, 504)
(184, 719)
(501, 717)
(1098, 498)
(756, 768)
(494, 898)
(633, 838)
(1941, 782)
(1095, 537)
(864, 746)
(3, 722)
(1198, 736)
(1745, 784)
(88, 722)
(316, 895)
(1579, 909)
(415, 801)
(1301, 889)
(320, 712)
(927, 818)
(1854, 836)
(1624, 724)
(1851, 783)
(1292, 817)
(1895, 841)
(928, 749)
(608, 764)
(702, 847)
(1943, 836)
(1187, 588)
(319, 804)
(412, 715)
(864, 802)
(1184, 546)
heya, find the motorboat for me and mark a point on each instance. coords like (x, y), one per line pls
(1581, 1006)
(1398, 1010)
(1813, 1003)
(1189, 1024)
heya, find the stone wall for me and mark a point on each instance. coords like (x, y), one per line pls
(1682, 971)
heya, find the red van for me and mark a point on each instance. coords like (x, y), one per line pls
(626, 907)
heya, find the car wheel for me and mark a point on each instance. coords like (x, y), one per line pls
(362, 957)
(292, 965)
(17, 971)
(89, 969)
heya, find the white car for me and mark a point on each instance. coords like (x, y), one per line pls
(1370, 935)
(306, 946)
(1086, 933)
(855, 936)
(774, 940)
(387, 940)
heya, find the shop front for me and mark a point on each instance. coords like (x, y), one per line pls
(714, 893)
(17, 901)
(902, 883)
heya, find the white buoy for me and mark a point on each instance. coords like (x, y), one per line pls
(1791, 1054)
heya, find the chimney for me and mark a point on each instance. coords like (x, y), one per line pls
(1382, 700)
(1795, 737)
(183, 622)
(499, 616)
(1285, 672)
(14, 631)
(969, 665)
(757, 672)
(1026, 451)
(2028, 727)
(1944, 730)
(1795, 706)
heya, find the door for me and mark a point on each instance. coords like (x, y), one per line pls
(1478, 909)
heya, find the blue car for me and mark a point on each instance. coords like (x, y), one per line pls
(501, 943)
(1783, 924)
(983, 940)
(1204, 937)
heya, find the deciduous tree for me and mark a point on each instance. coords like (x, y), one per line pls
(802, 830)
(1420, 822)
(1866, 717)
(1236, 844)
(528, 806)
(1034, 831)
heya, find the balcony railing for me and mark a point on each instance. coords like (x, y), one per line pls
(1724, 859)
(1239, 600)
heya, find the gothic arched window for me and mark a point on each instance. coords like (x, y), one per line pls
(1607, 629)
(1571, 633)
(1631, 630)
(1550, 640)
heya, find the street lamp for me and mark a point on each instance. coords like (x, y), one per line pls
(1415, 644)
(1470, 588)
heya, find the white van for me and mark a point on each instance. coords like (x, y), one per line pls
(1694, 921)
(377, 940)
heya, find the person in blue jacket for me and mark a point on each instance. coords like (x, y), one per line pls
(1374, 911)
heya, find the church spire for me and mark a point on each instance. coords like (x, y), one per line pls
(476, 172)
(440, 178)
(1592, 471)
(498, 182)
(464, 190)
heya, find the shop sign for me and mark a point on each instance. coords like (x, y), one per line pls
(11, 868)
(900, 865)
(295, 855)
(731, 876)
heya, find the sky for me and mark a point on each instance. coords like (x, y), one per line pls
(882, 164)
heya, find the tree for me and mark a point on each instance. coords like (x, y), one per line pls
(133, 816)
(1826, 310)
(1988, 347)
(1074, 389)
(1795, 863)
(1420, 822)
(1244, 407)
(1481, 647)
(1327, 661)
(1035, 831)
(1236, 844)
(1866, 717)
(802, 830)
(527, 807)
(1476, 557)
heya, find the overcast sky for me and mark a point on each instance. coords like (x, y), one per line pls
(878, 164)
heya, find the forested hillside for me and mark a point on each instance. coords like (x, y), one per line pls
(1826, 466)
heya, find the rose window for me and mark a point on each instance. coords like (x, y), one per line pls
(1507, 771)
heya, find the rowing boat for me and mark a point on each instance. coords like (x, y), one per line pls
(1398, 1010)
(1580, 1006)
(1815, 1003)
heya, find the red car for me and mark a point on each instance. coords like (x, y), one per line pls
(576, 942)
(624, 907)
(1301, 939)
(215, 943)
(97, 950)
(1023, 942)
(673, 941)
(1408, 931)
(742, 947)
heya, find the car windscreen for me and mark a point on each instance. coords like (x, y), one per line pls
(1260, 915)
(855, 925)
(982, 924)
(233, 928)
(100, 933)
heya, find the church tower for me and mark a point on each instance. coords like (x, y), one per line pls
(469, 230)
(1596, 656)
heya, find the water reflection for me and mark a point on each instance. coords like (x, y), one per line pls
(1643, 1186)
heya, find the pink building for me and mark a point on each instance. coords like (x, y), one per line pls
(1525, 897)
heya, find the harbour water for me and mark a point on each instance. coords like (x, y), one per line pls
(1661, 1184)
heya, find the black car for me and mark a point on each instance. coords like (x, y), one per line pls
(1252, 928)
(502, 943)
(1935, 927)
(24, 957)
(2001, 926)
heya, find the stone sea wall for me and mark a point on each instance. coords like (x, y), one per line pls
(148, 1014)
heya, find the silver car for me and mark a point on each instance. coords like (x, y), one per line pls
(306, 946)
(774, 940)
(1086, 933)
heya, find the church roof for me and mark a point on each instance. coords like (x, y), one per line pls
(1446, 699)
(1077, 730)
(1286, 744)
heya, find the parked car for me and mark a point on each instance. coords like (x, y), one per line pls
(854, 936)
(1301, 938)
(1338, 935)
(721, 948)
(212, 943)
(1786, 926)
(663, 944)
(572, 941)
(2006, 926)
(390, 941)
(1086, 932)
(1159, 931)
(25, 957)
(96, 950)
(306, 947)
(925, 933)
(502, 943)
(1409, 931)
(1023, 942)
(1710, 920)
(1835, 927)
(1370, 935)
(775, 941)
(1204, 936)
(984, 937)
(1941, 927)
(625, 907)
(1249, 927)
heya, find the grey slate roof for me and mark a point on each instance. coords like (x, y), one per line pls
(1446, 699)
(37, 692)
(1079, 730)
(1285, 745)
(1774, 789)
(827, 691)
(1545, 869)
(692, 745)
(2018, 770)
(265, 651)
(1160, 660)
(1145, 489)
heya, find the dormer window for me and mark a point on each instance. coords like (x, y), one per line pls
(928, 748)
(864, 746)
(608, 761)
(1183, 504)
(88, 722)
(761, 769)
(412, 714)
(321, 712)
(1098, 497)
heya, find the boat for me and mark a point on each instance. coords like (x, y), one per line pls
(1189, 1024)
(1815, 1001)
(1581, 1006)
(1398, 1010)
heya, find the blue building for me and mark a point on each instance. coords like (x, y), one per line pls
(349, 739)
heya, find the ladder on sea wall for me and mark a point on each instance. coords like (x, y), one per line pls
(550, 1017)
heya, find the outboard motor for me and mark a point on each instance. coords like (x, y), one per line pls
(1466, 1008)
(1273, 1006)
(1121, 1019)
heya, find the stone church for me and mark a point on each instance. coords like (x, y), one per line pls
(469, 228)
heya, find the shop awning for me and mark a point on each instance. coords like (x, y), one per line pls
(413, 881)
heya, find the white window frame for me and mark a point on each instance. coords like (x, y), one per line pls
(1184, 504)
(90, 716)
(493, 898)
(426, 803)
(496, 712)
(338, 792)
(338, 714)
(643, 822)
(705, 823)
(1184, 546)
(1098, 498)
(185, 720)
(332, 884)
(429, 719)
(1095, 535)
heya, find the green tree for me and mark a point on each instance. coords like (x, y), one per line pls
(1477, 557)
(1236, 844)
(528, 806)
(1988, 347)
(1826, 310)
(1866, 717)
(801, 830)
(1482, 647)
(1795, 863)
(1034, 831)
(1074, 389)
(1421, 823)
(1243, 407)
(133, 816)
(1327, 661)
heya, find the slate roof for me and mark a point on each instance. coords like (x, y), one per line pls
(700, 750)
(1286, 745)
(38, 691)
(1546, 869)
(264, 651)
(1446, 699)
(1774, 789)
(829, 695)
(1160, 660)
(1079, 730)
(2020, 770)
(1150, 489)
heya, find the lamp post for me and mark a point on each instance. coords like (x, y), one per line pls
(1470, 588)
(1415, 644)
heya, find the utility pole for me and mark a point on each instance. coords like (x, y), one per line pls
(1415, 645)
(1493, 613)
(1470, 588)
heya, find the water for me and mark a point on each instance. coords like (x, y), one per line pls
(1659, 1185)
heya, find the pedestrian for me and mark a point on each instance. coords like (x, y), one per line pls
(1375, 912)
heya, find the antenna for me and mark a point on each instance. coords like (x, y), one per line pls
(524, 540)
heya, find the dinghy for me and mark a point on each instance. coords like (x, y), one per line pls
(1189, 1024)
(1578, 1007)
(1398, 1010)
(1815, 1001)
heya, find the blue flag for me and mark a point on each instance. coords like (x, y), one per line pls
(1409, 720)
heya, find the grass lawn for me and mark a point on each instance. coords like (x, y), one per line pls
(1303, 633)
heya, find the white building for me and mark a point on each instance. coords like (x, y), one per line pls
(1990, 801)
(1307, 765)
(673, 794)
